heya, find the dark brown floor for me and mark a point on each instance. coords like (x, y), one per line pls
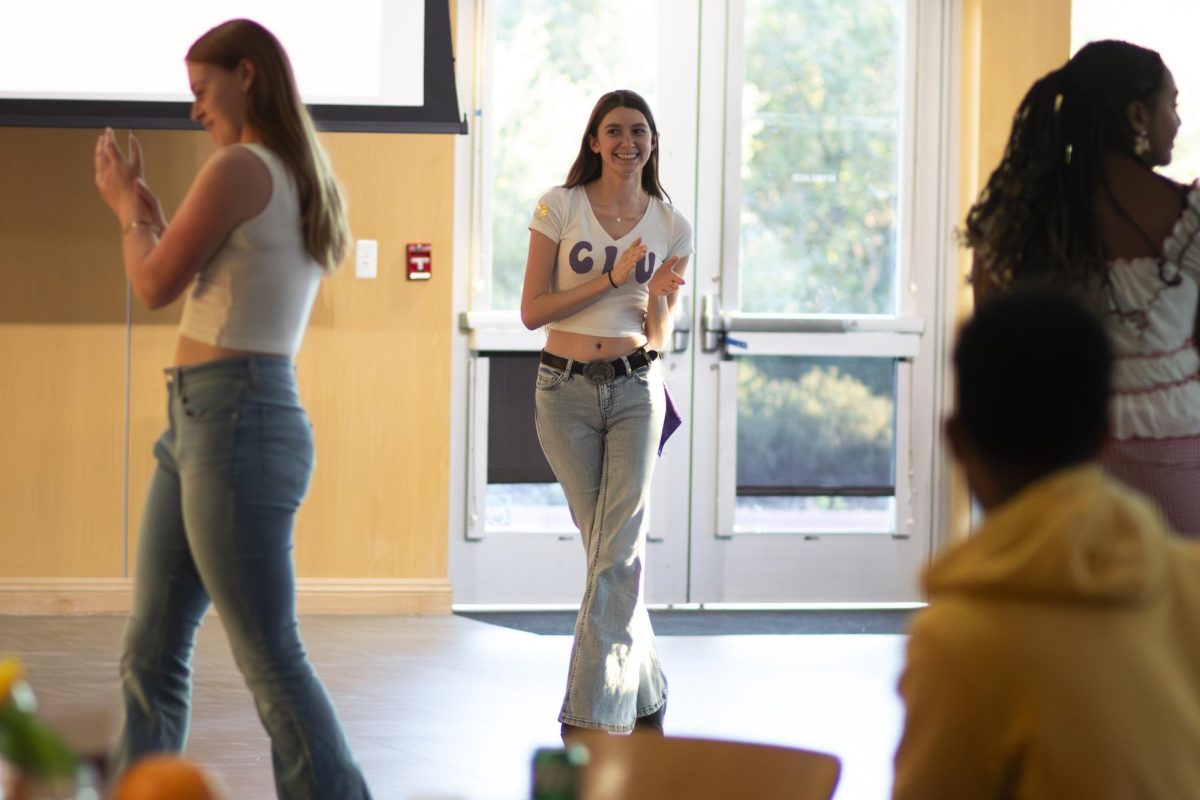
(444, 707)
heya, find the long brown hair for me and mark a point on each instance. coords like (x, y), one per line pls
(277, 115)
(587, 164)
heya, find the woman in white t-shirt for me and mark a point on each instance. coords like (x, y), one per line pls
(607, 256)
(1077, 202)
(260, 226)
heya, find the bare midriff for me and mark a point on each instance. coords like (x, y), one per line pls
(189, 352)
(582, 347)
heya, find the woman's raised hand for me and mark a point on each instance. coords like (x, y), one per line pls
(664, 282)
(149, 208)
(628, 261)
(117, 176)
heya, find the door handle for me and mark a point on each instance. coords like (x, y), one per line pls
(681, 332)
(712, 326)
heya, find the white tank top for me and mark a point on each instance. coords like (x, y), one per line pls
(257, 291)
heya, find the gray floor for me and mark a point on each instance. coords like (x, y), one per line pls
(742, 622)
(447, 707)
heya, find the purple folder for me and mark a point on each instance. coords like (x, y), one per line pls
(671, 420)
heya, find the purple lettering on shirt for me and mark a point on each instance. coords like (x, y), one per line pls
(645, 268)
(581, 264)
(610, 259)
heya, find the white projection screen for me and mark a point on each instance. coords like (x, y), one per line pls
(362, 65)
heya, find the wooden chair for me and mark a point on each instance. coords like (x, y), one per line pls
(646, 767)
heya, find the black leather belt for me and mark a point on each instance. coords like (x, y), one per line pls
(602, 371)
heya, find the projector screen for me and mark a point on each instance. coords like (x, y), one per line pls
(361, 65)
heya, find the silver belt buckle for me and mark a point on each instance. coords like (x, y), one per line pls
(599, 371)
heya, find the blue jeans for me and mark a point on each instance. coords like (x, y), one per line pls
(602, 442)
(233, 466)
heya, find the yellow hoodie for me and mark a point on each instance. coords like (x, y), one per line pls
(1060, 655)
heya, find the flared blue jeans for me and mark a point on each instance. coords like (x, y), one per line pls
(601, 440)
(233, 466)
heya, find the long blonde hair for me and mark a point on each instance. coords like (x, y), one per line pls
(277, 115)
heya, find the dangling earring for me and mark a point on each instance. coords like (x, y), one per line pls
(1141, 144)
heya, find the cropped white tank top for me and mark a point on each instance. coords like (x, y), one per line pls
(257, 291)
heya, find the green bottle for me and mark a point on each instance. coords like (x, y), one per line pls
(45, 766)
(557, 773)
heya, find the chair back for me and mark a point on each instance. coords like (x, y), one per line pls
(647, 767)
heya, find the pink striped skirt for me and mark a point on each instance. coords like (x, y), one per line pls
(1166, 470)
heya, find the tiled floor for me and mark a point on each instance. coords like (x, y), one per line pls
(445, 707)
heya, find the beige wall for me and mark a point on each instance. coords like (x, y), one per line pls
(373, 371)
(1007, 45)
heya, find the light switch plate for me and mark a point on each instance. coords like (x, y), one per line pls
(366, 258)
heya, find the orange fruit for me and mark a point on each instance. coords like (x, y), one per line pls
(165, 777)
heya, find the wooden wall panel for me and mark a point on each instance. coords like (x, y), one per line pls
(1020, 41)
(62, 419)
(62, 358)
(1006, 46)
(374, 373)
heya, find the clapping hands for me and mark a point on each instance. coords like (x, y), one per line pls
(664, 282)
(627, 262)
(120, 183)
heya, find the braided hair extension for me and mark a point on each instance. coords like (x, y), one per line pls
(1035, 220)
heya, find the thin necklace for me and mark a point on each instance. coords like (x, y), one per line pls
(639, 197)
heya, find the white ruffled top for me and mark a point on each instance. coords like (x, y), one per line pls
(1156, 386)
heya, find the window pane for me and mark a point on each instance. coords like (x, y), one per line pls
(815, 437)
(514, 454)
(527, 508)
(815, 514)
(820, 143)
(552, 60)
(1168, 26)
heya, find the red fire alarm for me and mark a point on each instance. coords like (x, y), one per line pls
(420, 262)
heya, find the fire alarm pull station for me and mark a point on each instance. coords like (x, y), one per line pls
(420, 262)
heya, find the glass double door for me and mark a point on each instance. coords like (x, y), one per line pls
(792, 134)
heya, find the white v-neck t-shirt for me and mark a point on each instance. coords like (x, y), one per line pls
(586, 250)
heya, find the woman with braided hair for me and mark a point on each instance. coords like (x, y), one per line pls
(1076, 203)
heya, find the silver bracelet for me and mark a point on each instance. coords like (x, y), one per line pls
(138, 224)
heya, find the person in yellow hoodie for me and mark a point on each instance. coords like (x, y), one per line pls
(1060, 654)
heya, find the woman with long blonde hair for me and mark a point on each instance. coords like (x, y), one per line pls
(260, 226)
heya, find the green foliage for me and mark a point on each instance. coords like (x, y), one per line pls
(820, 171)
(553, 59)
(821, 115)
(815, 422)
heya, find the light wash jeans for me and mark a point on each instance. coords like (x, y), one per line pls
(234, 464)
(602, 442)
